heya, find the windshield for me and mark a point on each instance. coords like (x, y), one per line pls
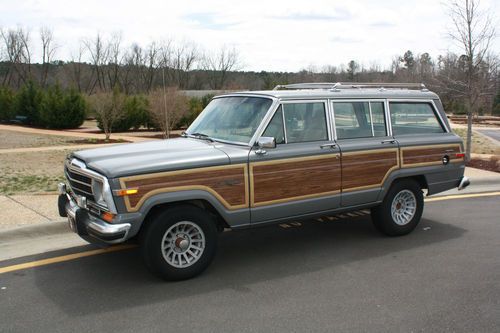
(231, 118)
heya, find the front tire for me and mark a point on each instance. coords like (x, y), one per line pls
(401, 210)
(179, 243)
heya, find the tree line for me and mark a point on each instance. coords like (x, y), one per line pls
(468, 82)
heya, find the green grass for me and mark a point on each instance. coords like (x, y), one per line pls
(10, 185)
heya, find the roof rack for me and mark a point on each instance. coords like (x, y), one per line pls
(352, 85)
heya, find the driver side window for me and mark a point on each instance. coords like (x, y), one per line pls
(304, 122)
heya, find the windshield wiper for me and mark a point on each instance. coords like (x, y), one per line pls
(199, 136)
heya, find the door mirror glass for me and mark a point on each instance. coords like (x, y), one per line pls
(266, 142)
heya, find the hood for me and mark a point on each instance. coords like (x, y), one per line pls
(152, 156)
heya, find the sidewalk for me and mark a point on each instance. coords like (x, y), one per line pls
(75, 134)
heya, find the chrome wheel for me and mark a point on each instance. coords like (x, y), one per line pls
(183, 244)
(403, 207)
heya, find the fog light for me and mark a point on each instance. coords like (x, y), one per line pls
(108, 217)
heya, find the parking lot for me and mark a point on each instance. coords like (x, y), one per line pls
(321, 275)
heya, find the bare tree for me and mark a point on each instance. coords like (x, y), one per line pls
(219, 64)
(183, 58)
(75, 67)
(99, 57)
(48, 51)
(16, 44)
(108, 108)
(474, 31)
(167, 107)
(115, 57)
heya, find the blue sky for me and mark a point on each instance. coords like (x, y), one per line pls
(269, 35)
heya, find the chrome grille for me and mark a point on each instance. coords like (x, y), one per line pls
(80, 184)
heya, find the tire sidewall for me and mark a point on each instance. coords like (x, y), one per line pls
(152, 240)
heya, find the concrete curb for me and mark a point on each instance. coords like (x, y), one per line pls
(34, 231)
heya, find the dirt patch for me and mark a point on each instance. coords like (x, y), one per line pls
(31, 172)
(488, 165)
(11, 140)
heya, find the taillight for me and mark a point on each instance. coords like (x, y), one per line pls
(460, 155)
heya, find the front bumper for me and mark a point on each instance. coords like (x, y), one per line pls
(90, 227)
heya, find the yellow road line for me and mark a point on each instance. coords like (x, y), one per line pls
(463, 196)
(67, 257)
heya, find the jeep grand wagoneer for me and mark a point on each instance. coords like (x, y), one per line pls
(259, 157)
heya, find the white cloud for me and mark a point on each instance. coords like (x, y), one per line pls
(285, 36)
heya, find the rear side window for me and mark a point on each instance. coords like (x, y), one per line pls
(359, 119)
(414, 118)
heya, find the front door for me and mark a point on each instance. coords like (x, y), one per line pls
(302, 174)
(369, 154)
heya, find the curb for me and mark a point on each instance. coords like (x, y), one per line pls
(34, 231)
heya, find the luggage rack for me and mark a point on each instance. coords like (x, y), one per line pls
(351, 85)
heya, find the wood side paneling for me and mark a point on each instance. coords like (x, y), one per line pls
(361, 170)
(228, 183)
(293, 179)
(429, 155)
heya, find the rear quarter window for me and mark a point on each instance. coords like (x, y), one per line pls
(414, 118)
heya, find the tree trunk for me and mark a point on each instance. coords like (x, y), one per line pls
(468, 143)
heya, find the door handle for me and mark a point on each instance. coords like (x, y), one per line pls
(391, 141)
(328, 145)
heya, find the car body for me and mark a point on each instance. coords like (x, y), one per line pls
(271, 156)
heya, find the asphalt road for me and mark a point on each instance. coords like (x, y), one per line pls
(316, 277)
(494, 134)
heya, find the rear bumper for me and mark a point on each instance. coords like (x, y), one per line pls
(90, 227)
(464, 182)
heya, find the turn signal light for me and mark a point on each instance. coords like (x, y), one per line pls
(127, 191)
(108, 217)
(460, 155)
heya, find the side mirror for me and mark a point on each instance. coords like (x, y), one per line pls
(265, 142)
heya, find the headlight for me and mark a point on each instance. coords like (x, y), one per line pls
(98, 192)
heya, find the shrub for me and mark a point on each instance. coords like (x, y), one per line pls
(28, 102)
(62, 109)
(135, 114)
(7, 112)
(196, 105)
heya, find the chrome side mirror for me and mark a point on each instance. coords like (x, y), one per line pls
(265, 142)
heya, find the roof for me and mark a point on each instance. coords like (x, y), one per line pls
(347, 90)
(373, 93)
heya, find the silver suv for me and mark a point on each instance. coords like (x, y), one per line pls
(261, 157)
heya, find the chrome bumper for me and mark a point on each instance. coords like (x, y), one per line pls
(463, 183)
(88, 226)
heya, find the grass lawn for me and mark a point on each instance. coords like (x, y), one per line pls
(480, 144)
(31, 172)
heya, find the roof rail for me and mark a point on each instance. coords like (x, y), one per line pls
(311, 85)
(352, 85)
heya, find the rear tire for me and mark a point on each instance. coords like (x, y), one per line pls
(179, 242)
(401, 210)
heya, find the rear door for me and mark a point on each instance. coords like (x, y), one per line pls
(425, 140)
(369, 153)
(302, 174)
